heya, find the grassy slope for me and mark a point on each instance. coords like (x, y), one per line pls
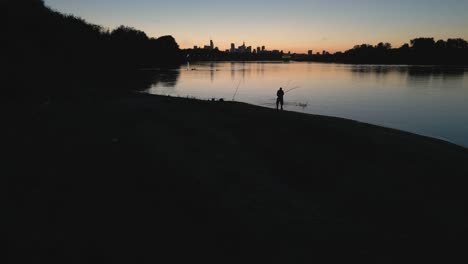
(146, 177)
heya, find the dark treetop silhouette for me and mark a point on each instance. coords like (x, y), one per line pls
(46, 45)
(419, 51)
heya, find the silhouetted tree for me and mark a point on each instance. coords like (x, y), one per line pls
(128, 34)
(421, 51)
(47, 45)
(385, 46)
(457, 43)
(405, 47)
(423, 44)
(441, 44)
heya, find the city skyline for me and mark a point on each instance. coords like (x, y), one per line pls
(297, 26)
(237, 49)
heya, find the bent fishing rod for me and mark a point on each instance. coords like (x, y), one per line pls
(292, 89)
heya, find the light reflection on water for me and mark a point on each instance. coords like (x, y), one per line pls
(426, 100)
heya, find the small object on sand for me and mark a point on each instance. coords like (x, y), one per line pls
(303, 105)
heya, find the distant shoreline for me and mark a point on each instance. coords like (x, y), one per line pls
(334, 62)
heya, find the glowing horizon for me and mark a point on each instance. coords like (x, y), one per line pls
(296, 26)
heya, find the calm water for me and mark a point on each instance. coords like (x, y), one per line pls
(425, 100)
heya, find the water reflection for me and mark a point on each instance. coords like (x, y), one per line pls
(420, 71)
(233, 71)
(376, 69)
(165, 77)
(416, 76)
(443, 78)
(438, 71)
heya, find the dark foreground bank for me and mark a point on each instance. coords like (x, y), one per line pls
(148, 179)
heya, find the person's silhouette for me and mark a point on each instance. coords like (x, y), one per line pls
(280, 99)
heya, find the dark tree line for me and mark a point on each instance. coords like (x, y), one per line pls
(418, 51)
(44, 44)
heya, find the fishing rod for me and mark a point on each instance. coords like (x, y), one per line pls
(289, 83)
(237, 89)
(292, 89)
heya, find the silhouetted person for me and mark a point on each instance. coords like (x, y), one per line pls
(280, 99)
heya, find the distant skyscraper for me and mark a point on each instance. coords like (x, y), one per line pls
(242, 48)
(211, 44)
(310, 53)
(258, 49)
(263, 48)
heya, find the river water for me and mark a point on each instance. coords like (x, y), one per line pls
(426, 100)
